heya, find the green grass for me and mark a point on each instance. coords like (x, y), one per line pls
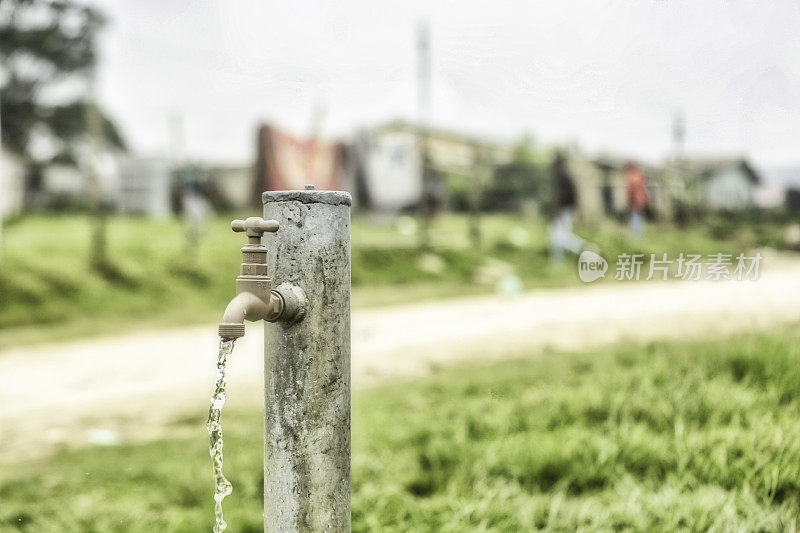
(48, 289)
(667, 436)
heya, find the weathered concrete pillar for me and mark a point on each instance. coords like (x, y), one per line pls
(307, 366)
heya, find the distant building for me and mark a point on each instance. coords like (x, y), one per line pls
(65, 183)
(770, 196)
(286, 162)
(129, 184)
(12, 184)
(144, 186)
(381, 167)
(723, 184)
(387, 161)
(780, 187)
(61, 180)
(387, 167)
(232, 185)
(62, 185)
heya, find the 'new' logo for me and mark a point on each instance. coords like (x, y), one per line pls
(591, 266)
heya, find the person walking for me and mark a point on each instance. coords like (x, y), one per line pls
(562, 238)
(636, 184)
(195, 205)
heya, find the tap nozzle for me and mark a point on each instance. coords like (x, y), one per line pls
(255, 299)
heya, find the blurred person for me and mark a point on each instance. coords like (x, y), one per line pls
(561, 237)
(636, 184)
(196, 208)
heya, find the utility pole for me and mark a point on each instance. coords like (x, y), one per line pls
(424, 102)
(480, 176)
(682, 185)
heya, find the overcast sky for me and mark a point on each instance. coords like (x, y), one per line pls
(608, 75)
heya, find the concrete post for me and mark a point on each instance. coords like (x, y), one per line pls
(307, 366)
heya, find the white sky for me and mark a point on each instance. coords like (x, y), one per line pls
(609, 75)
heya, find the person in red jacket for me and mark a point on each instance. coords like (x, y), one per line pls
(636, 184)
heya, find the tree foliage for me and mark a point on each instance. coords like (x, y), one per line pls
(47, 48)
(524, 177)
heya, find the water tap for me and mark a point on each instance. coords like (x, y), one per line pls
(255, 298)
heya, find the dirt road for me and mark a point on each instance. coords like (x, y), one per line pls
(129, 387)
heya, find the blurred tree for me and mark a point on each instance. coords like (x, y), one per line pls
(525, 177)
(48, 48)
(481, 176)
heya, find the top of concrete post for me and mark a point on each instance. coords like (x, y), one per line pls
(309, 197)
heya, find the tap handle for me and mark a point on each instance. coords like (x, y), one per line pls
(254, 226)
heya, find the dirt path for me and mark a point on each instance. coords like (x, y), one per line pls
(129, 387)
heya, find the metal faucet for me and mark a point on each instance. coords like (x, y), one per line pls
(255, 298)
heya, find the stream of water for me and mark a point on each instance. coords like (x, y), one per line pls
(222, 487)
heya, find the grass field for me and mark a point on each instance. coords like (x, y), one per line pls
(686, 436)
(48, 290)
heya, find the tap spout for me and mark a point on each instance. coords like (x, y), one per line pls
(255, 299)
(248, 306)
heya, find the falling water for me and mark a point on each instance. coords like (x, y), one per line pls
(222, 487)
